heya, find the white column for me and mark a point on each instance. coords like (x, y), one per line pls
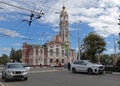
(43, 56)
(34, 51)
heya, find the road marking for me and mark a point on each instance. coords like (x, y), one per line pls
(1, 84)
(5, 84)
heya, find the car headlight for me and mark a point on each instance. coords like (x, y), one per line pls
(25, 72)
(11, 72)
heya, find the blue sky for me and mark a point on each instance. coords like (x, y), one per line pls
(100, 16)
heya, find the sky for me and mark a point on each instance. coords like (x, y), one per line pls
(99, 16)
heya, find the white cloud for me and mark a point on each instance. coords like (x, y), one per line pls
(101, 15)
(10, 33)
(2, 18)
(17, 44)
(5, 49)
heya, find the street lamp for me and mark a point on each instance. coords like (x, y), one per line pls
(79, 45)
(119, 32)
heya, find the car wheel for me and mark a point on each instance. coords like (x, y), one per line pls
(73, 70)
(90, 71)
(5, 78)
(2, 76)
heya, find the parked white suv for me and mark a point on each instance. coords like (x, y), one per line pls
(87, 66)
(14, 71)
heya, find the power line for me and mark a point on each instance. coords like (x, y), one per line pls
(34, 14)
(16, 6)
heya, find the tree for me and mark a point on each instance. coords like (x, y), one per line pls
(12, 53)
(3, 59)
(94, 45)
(16, 55)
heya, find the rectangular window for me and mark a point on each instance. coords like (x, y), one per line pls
(41, 51)
(57, 51)
(36, 51)
(62, 60)
(51, 52)
(62, 52)
(51, 60)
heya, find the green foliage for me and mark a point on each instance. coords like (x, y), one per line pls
(106, 59)
(4, 59)
(16, 55)
(94, 45)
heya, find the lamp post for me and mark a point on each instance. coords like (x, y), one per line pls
(114, 39)
(119, 32)
(79, 45)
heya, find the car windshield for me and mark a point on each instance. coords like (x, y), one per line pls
(15, 66)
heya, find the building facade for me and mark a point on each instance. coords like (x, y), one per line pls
(55, 52)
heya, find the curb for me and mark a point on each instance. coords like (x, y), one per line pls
(117, 73)
(110, 72)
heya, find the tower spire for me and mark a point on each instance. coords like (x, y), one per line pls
(63, 5)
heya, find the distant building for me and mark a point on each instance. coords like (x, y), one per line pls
(55, 52)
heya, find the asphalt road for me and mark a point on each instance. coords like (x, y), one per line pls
(62, 77)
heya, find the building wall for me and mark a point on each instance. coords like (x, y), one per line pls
(56, 58)
(32, 53)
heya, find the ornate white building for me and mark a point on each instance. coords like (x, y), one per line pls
(57, 51)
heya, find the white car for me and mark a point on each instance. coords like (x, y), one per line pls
(87, 66)
(14, 71)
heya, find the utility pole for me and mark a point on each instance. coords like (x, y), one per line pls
(40, 54)
(114, 39)
(115, 57)
(119, 32)
(79, 45)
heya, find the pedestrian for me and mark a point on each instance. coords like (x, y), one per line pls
(69, 66)
(60, 64)
(40, 65)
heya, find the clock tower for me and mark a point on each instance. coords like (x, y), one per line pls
(64, 31)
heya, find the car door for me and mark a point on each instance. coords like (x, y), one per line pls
(80, 66)
(76, 65)
(83, 66)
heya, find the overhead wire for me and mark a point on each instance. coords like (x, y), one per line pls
(22, 8)
(17, 7)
